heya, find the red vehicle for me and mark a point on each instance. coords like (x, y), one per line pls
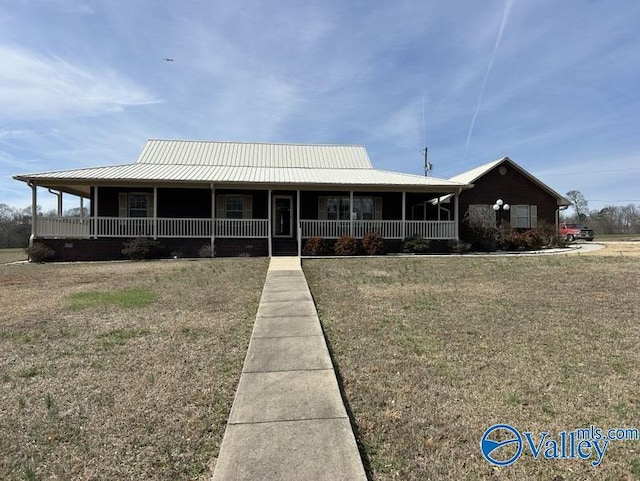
(572, 232)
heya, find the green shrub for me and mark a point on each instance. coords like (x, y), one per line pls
(315, 246)
(415, 245)
(529, 240)
(40, 253)
(140, 248)
(373, 244)
(346, 246)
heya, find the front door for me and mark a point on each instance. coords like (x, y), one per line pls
(282, 216)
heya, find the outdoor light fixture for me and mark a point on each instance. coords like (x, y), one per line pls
(500, 204)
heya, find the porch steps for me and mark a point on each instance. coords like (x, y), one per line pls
(284, 247)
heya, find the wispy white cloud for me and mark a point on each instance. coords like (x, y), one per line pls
(88, 81)
(36, 86)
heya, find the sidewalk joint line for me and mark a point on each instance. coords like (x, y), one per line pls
(287, 421)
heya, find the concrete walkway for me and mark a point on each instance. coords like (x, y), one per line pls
(288, 421)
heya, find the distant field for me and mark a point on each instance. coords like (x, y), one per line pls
(433, 351)
(12, 255)
(619, 249)
(123, 370)
(617, 237)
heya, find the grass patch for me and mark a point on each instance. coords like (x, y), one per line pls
(446, 347)
(132, 297)
(12, 255)
(112, 392)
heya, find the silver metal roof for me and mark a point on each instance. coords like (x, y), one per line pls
(170, 161)
(240, 174)
(257, 155)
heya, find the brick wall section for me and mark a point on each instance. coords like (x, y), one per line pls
(111, 249)
(513, 188)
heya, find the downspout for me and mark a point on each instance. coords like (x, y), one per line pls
(34, 214)
(59, 195)
(561, 207)
(446, 210)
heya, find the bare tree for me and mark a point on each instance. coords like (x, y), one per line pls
(580, 204)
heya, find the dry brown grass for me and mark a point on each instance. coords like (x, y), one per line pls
(109, 392)
(619, 249)
(12, 255)
(433, 351)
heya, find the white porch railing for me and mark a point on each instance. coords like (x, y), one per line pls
(72, 227)
(388, 229)
(242, 228)
(325, 228)
(431, 229)
(67, 227)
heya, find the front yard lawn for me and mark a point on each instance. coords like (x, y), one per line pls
(433, 351)
(123, 370)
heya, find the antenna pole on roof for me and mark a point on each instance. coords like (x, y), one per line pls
(427, 165)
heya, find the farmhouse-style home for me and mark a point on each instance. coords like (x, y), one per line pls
(504, 191)
(253, 199)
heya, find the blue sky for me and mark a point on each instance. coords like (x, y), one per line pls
(555, 85)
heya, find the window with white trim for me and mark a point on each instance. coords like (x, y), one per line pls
(363, 208)
(138, 204)
(234, 206)
(524, 216)
(337, 208)
(135, 204)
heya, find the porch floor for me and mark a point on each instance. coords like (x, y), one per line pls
(288, 420)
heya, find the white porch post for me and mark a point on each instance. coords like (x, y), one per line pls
(438, 208)
(269, 220)
(34, 212)
(213, 220)
(298, 229)
(155, 212)
(351, 213)
(455, 214)
(81, 207)
(95, 212)
(404, 215)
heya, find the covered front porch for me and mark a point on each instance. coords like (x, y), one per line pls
(274, 217)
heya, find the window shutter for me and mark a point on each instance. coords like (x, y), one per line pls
(533, 210)
(377, 209)
(149, 205)
(123, 204)
(514, 216)
(221, 208)
(322, 208)
(247, 205)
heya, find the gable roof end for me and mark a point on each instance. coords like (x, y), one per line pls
(470, 176)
